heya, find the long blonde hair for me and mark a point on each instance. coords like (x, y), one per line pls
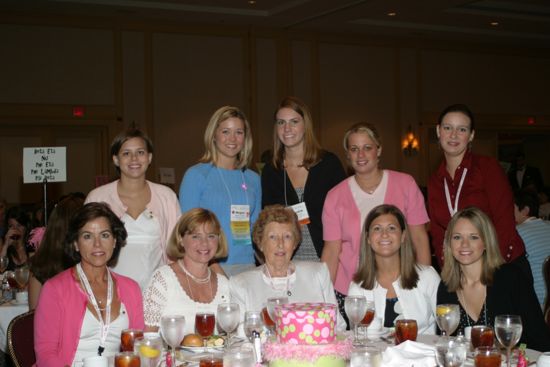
(451, 274)
(211, 153)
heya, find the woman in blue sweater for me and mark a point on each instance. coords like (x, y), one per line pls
(222, 183)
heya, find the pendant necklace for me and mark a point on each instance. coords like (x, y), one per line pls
(273, 286)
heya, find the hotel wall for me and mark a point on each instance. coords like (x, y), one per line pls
(170, 79)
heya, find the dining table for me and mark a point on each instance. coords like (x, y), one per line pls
(8, 311)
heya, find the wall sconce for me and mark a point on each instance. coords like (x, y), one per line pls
(410, 144)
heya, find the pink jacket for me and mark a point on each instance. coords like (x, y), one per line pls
(164, 205)
(60, 313)
(342, 219)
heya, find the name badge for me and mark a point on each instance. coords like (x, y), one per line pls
(301, 211)
(240, 225)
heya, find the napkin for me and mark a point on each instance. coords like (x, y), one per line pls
(410, 354)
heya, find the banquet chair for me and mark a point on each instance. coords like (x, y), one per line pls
(21, 340)
(546, 273)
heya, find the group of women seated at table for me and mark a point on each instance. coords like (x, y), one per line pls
(373, 225)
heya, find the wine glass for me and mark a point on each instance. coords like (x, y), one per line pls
(356, 307)
(204, 324)
(252, 322)
(447, 317)
(450, 352)
(22, 276)
(274, 302)
(4, 262)
(228, 316)
(172, 330)
(508, 329)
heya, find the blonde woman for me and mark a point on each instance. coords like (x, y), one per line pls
(222, 183)
(188, 286)
(475, 276)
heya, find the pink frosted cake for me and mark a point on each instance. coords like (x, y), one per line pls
(306, 337)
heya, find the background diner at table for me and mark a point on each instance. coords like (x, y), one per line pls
(476, 277)
(82, 310)
(276, 234)
(188, 286)
(50, 258)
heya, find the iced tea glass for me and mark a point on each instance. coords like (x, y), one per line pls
(127, 338)
(482, 336)
(487, 357)
(211, 361)
(405, 329)
(127, 359)
(204, 324)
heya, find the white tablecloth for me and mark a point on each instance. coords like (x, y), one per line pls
(7, 312)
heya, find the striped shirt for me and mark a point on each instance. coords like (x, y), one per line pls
(536, 236)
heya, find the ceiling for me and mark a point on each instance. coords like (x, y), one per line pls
(519, 22)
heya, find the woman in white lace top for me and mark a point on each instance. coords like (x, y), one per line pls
(188, 286)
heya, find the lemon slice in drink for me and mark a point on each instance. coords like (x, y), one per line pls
(148, 352)
(442, 310)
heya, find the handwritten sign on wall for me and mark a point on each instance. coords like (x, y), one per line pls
(41, 163)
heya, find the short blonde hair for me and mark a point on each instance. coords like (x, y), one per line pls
(279, 214)
(451, 274)
(312, 149)
(211, 153)
(188, 223)
(366, 128)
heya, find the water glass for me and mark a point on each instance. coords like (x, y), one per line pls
(252, 322)
(366, 357)
(450, 352)
(228, 315)
(272, 303)
(241, 357)
(149, 350)
(355, 307)
(508, 329)
(447, 317)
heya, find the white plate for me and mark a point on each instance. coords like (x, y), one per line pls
(195, 350)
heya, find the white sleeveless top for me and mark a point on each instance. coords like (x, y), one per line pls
(142, 254)
(89, 336)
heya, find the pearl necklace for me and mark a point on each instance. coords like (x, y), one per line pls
(195, 279)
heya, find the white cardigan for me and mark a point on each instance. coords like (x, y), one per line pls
(309, 283)
(418, 303)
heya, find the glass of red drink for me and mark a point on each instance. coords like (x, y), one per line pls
(482, 336)
(127, 359)
(405, 329)
(211, 361)
(267, 320)
(127, 338)
(204, 324)
(487, 357)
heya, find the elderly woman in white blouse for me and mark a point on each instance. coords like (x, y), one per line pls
(188, 286)
(277, 234)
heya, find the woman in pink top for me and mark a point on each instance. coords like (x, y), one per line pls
(349, 202)
(82, 310)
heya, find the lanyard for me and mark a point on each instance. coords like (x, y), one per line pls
(103, 325)
(243, 186)
(454, 209)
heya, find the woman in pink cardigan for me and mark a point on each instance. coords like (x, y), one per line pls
(82, 311)
(348, 204)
